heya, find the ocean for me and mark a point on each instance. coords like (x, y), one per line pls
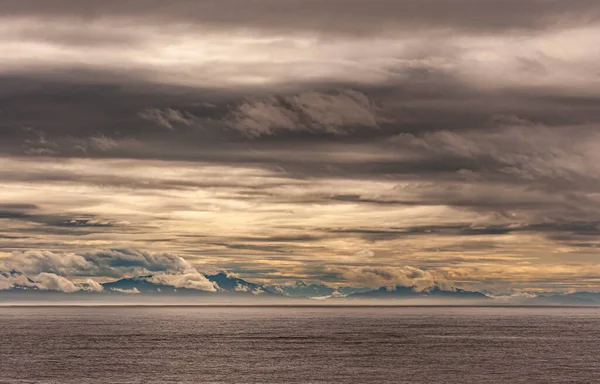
(299, 345)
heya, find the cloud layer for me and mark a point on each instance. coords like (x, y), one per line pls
(334, 142)
(64, 272)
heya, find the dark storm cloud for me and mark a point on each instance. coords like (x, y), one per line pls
(29, 213)
(36, 114)
(45, 103)
(354, 17)
(403, 233)
(17, 206)
(464, 200)
(66, 35)
(120, 101)
(449, 230)
(567, 233)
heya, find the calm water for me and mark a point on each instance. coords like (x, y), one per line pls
(299, 345)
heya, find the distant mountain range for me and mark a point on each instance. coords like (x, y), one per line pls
(301, 289)
(226, 285)
(400, 292)
(231, 286)
(577, 298)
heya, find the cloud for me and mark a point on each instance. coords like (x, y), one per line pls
(92, 285)
(132, 261)
(132, 291)
(74, 146)
(258, 291)
(90, 223)
(103, 143)
(525, 153)
(5, 283)
(168, 118)
(254, 291)
(19, 207)
(332, 113)
(190, 279)
(348, 17)
(47, 282)
(51, 268)
(364, 253)
(376, 277)
(441, 137)
(241, 288)
(36, 262)
(53, 282)
(13, 278)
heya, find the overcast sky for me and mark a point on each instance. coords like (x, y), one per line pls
(349, 142)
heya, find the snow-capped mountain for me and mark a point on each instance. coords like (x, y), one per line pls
(301, 289)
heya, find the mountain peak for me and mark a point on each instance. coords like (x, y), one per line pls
(400, 291)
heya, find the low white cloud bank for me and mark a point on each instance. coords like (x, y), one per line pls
(102, 262)
(47, 270)
(52, 282)
(36, 262)
(92, 286)
(241, 288)
(246, 288)
(46, 281)
(190, 279)
(132, 291)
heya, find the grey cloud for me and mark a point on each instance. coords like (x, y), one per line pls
(17, 206)
(73, 34)
(72, 146)
(333, 16)
(33, 215)
(15, 210)
(105, 122)
(540, 156)
(168, 118)
(88, 223)
(331, 113)
(11, 214)
(429, 112)
(566, 232)
(119, 260)
(513, 167)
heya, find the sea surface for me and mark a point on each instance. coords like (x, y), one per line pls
(299, 345)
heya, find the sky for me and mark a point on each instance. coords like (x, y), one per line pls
(344, 142)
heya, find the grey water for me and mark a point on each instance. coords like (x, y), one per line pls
(299, 345)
